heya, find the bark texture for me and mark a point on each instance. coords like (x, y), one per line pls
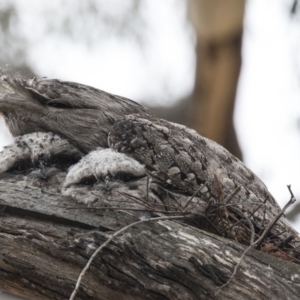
(44, 246)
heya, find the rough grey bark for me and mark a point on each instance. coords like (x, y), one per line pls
(44, 247)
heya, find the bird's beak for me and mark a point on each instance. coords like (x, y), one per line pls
(14, 101)
(43, 172)
(11, 93)
(107, 185)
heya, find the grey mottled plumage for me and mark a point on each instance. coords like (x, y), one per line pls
(39, 159)
(108, 178)
(102, 178)
(181, 160)
(174, 156)
(72, 110)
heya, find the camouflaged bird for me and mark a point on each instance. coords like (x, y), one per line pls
(175, 157)
(181, 160)
(79, 113)
(38, 159)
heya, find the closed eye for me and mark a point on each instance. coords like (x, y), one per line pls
(58, 104)
(64, 161)
(127, 177)
(90, 181)
(21, 167)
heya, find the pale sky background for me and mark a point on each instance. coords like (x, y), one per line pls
(268, 108)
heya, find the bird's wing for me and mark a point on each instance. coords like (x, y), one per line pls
(181, 159)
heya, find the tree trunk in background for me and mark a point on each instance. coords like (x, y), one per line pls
(218, 25)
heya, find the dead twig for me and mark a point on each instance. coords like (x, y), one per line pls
(193, 196)
(271, 225)
(209, 221)
(258, 207)
(143, 202)
(259, 240)
(248, 221)
(147, 190)
(82, 273)
(234, 193)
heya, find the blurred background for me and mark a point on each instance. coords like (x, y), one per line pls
(228, 68)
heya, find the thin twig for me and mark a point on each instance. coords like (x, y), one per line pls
(150, 205)
(207, 219)
(135, 199)
(270, 226)
(218, 205)
(273, 236)
(258, 207)
(259, 240)
(241, 223)
(228, 198)
(193, 196)
(208, 206)
(190, 209)
(248, 221)
(147, 189)
(82, 273)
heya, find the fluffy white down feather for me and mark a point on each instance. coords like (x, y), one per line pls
(103, 162)
(37, 149)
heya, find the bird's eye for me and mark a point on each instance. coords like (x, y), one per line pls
(20, 167)
(88, 181)
(125, 177)
(58, 105)
(63, 161)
